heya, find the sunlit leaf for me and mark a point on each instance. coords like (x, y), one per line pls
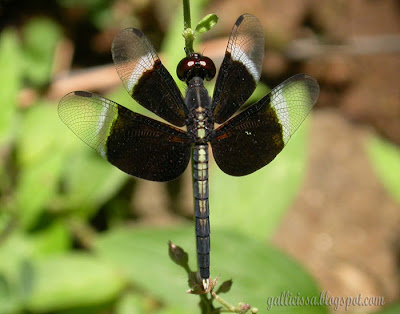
(90, 181)
(131, 304)
(16, 251)
(40, 134)
(206, 23)
(10, 65)
(51, 240)
(9, 301)
(40, 157)
(38, 53)
(67, 281)
(36, 187)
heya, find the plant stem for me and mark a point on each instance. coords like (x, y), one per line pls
(231, 308)
(186, 14)
(187, 25)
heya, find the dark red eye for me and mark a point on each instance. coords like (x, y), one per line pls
(184, 66)
(209, 67)
(195, 65)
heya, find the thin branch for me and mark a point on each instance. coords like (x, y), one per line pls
(241, 308)
(187, 25)
(303, 49)
(186, 14)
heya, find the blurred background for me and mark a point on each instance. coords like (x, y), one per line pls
(79, 236)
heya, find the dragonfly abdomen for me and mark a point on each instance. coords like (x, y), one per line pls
(200, 192)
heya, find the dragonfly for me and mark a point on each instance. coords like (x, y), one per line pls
(242, 140)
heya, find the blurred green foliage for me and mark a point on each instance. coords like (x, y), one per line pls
(11, 81)
(390, 309)
(99, 11)
(37, 54)
(52, 186)
(385, 158)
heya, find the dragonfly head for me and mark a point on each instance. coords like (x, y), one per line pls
(195, 65)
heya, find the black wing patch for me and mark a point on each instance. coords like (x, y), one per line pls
(254, 137)
(241, 68)
(136, 144)
(145, 78)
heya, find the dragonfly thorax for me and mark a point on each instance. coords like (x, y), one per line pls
(198, 103)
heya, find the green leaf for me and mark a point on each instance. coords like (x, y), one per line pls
(132, 303)
(37, 185)
(40, 154)
(39, 53)
(258, 271)
(90, 181)
(75, 280)
(9, 302)
(40, 134)
(16, 271)
(385, 159)
(225, 287)
(53, 239)
(390, 309)
(206, 23)
(174, 309)
(10, 65)
(26, 278)
(255, 204)
(13, 250)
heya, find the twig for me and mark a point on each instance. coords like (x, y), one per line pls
(241, 308)
(187, 26)
(303, 49)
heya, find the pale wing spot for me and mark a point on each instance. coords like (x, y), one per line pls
(239, 55)
(246, 44)
(90, 118)
(100, 128)
(106, 118)
(146, 63)
(292, 100)
(279, 103)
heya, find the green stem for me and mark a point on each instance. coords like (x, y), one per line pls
(231, 308)
(187, 25)
(186, 14)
